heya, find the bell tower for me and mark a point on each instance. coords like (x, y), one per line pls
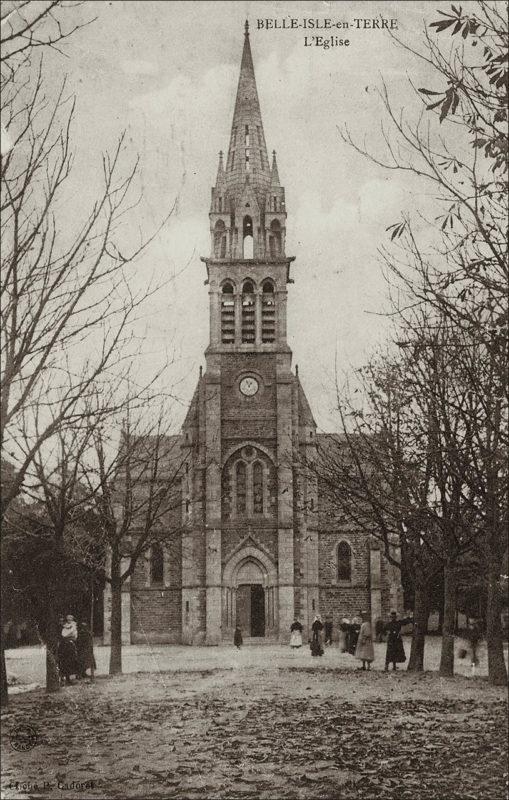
(241, 554)
(247, 270)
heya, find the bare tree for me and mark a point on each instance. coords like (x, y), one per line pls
(136, 490)
(27, 26)
(377, 474)
(65, 287)
(68, 310)
(457, 143)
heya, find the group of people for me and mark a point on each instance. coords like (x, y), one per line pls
(355, 637)
(75, 649)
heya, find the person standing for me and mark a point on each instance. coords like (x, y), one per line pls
(353, 634)
(395, 653)
(328, 629)
(344, 634)
(316, 636)
(67, 654)
(237, 638)
(295, 634)
(85, 650)
(474, 637)
(364, 649)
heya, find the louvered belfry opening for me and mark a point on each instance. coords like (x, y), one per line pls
(268, 313)
(227, 314)
(248, 313)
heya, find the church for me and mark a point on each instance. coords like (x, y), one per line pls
(256, 549)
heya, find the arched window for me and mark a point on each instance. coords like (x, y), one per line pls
(227, 315)
(156, 564)
(241, 488)
(257, 488)
(249, 485)
(247, 238)
(226, 493)
(268, 313)
(275, 238)
(220, 239)
(248, 313)
(344, 562)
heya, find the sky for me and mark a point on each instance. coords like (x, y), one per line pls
(166, 73)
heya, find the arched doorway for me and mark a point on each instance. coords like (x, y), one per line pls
(250, 612)
(250, 594)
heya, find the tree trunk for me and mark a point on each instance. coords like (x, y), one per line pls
(440, 628)
(52, 637)
(116, 618)
(497, 670)
(449, 624)
(5, 690)
(421, 613)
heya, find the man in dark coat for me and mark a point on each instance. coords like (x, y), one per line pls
(395, 651)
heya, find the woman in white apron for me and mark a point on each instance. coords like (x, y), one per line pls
(295, 634)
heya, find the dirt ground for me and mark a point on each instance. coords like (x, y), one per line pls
(260, 727)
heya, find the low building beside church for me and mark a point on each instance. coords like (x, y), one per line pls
(256, 546)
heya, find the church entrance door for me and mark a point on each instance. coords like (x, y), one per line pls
(257, 610)
(251, 609)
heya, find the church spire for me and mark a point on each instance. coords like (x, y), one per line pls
(247, 153)
(274, 175)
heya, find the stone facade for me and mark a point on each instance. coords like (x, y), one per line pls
(255, 548)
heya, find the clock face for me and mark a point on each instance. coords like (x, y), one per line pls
(249, 386)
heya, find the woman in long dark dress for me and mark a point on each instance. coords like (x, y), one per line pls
(395, 651)
(67, 653)
(316, 637)
(85, 648)
(237, 638)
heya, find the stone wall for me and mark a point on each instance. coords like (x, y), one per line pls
(156, 615)
(343, 598)
(248, 418)
(156, 608)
